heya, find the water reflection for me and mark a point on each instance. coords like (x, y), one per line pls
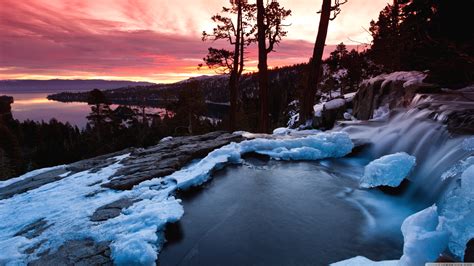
(35, 106)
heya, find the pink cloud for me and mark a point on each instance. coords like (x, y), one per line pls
(143, 39)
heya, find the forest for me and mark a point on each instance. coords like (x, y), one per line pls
(425, 35)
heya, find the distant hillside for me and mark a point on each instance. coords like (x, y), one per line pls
(60, 85)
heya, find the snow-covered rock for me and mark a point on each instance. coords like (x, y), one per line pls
(389, 170)
(394, 90)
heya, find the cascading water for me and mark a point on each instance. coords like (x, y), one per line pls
(419, 130)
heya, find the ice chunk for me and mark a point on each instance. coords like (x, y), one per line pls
(381, 114)
(312, 147)
(363, 261)
(423, 241)
(468, 144)
(457, 215)
(389, 170)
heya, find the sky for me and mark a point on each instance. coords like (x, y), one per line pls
(148, 40)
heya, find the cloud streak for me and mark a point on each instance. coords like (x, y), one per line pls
(123, 39)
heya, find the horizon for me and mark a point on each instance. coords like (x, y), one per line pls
(144, 41)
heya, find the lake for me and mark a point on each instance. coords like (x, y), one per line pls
(35, 106)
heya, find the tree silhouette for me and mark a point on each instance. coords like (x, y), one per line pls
(270, 31)
(315, 62)
(234, 26)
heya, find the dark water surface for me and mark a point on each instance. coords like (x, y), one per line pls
(278, 214)
(35, 106)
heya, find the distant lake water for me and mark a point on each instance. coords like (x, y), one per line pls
(35, 106)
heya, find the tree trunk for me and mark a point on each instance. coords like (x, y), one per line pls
(234, 75)
(315, 64)
(262, 67)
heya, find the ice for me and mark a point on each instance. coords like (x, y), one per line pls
(135, 235)
(388, 170)
(468, 144)
(381, 114)
(363, 261)
(456, 211)
(423, 240)
(312, 147)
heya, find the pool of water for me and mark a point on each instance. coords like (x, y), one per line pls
(283, 213)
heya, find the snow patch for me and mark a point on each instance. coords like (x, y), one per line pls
(388, 170)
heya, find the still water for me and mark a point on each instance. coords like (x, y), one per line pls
(35, 106)
(279, 213)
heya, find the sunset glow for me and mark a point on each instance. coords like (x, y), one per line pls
(143, 40)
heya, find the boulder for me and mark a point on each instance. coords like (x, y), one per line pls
(395, 90)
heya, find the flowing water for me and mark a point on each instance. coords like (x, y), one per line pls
(314, 213)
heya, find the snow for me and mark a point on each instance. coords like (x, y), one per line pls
(334, 104)
(388, 170)
(135, 235)
(312, 147)
(423, 240)
(468, 144)
(166, 139)
(363, 261)
(329, 105)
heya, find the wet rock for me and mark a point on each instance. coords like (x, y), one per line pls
(34, 229)
(111, 210)
(77, 252)
(469, 253)
(402, 188)
(395, 90)
(31, 183)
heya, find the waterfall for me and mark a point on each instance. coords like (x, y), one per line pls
(419, 130)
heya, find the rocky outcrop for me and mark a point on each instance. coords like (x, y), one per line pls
(141, 164)
(32, 182)
(77, 252)
(395, 90)
(166, 157)
(469, 253)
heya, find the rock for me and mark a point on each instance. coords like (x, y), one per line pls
(402, 188)
(166, 157)
(111, 210)
(77, 252)
(30, 183)
(34, 229)
(395, 89)
(469, 253)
